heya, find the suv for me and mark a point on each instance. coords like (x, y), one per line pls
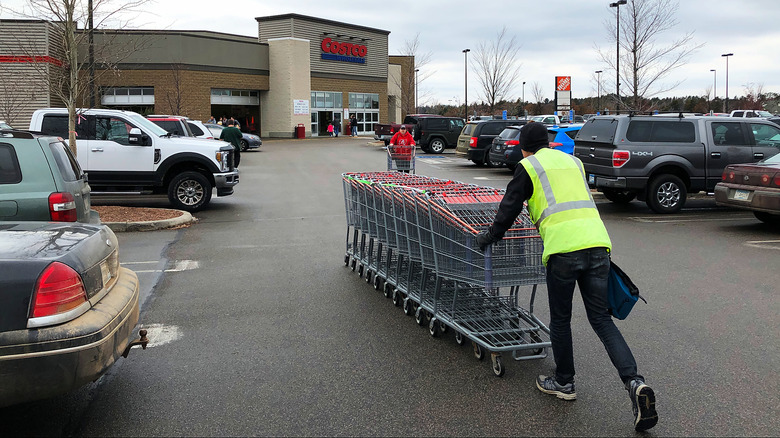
(176, 125)
(661, 159)
(40, 180)
(502, 150)
(434, 134)
(122, 151)
(751, 113)
(477, 136)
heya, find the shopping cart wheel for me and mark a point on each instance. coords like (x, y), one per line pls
(397, 298)
(535, 338)
(369, 276)
(443, 327)
(459, 338)
(346, 260)
(354, 265)
(433, 327)
(479, 353)
(498, 366)
(419, 316)
(360, 271)
(408, 306)
(377, 282)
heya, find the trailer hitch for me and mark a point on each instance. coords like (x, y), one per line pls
(142, 341)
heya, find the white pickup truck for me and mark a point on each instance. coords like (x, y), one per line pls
(123, 152)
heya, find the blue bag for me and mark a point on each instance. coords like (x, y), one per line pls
(622, 293)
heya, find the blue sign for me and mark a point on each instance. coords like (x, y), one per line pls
(332, 57)
(503, 114)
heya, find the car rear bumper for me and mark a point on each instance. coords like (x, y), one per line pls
(616, 182)
(765, 199)
(42, 363)
(383, 137)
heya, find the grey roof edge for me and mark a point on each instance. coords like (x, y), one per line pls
(321, 20)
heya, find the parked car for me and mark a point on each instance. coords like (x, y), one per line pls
(476, 139)
(123, 152)
(752, 186)
(504, 147)
(751, 114)
(562, 137)
(200, 130)
(434, 134)
(40, 180)
(4, 125)
(67, 309)
(385, 131)
(176, 125)
(547, 119)
(662, 159)
(248, 141)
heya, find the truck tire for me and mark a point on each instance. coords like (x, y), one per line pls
(189, 191)
(666, 194)
(619, 196)
(436, 146)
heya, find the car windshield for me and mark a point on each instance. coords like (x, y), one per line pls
(774, 159)
(142, 121)
(4, 125)
(764, 114)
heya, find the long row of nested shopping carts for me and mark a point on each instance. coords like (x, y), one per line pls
(414, 237)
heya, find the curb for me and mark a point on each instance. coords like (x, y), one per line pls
(183, 219)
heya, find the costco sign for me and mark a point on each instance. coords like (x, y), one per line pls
(347, 52)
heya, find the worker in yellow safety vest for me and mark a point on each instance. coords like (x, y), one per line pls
(576, 251)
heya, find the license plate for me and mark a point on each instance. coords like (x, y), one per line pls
(591, 179)
(741, 195)
(105, 272)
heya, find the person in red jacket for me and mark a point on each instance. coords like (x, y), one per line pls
(402, 147)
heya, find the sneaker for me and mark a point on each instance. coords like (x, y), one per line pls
(548, 385)
(643, 404)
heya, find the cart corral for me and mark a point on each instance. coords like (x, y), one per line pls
(414, 238)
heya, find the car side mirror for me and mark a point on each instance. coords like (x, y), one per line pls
(137, 138)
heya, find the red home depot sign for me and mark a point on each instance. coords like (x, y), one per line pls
(338, 51)
(563, 83)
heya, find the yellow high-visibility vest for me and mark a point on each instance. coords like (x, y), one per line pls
(562, 206)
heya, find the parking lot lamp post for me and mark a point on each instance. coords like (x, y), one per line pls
(466, 81)
(598, 86)
(523, 106)
(726, 55)
(714, 84)
(416, 107)
(616, 5)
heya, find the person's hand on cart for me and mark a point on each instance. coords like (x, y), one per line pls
(485, 238)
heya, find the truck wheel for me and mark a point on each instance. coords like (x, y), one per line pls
(619, 196)
(437, 146)
(666, 194)
(189, 191)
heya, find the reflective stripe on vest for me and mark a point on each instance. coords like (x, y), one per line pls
(552, 205)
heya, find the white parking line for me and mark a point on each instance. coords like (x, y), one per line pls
(180, 265)
(764, 244)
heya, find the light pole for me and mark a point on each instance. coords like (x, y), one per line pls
(466, 81)
(616, 5)
(416, 108)
(726, 55)
(524, 116)
(598, 86)
(714, 84)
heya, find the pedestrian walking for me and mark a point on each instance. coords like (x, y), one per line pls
(336, 128)
(401, 148)
(330, 129)
(233, 135)
(576, 251)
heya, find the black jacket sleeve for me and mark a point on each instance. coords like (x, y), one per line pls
(517, 192)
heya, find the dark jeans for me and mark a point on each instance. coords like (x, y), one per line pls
(588, 268)
(236, 155)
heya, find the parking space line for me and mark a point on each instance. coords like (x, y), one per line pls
(764, 244)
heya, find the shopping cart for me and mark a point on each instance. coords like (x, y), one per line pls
(415, 237)
(401, 158)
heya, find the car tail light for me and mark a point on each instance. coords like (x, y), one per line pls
(730, 176)
(473, 142)
(512, 143)
(59, 289)
(619, 158)
(62, 207)
(776, 180)
(765, 180)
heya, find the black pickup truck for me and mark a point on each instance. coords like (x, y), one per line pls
(660, 159)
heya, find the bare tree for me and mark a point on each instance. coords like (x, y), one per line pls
(71, 79)
(644, 64)
(538, 93)
(754, 96)
(412, 93)
(14, 100)
(175, 94)
(496, 67)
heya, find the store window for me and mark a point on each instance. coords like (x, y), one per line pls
(363, 101)
(326, 99)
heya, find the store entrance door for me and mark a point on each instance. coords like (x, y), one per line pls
(325, 118)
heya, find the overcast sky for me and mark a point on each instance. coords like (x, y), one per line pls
(558, 38)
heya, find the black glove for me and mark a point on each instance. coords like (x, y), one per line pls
(484, 239)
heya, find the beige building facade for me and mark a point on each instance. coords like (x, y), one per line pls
(299, 71)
